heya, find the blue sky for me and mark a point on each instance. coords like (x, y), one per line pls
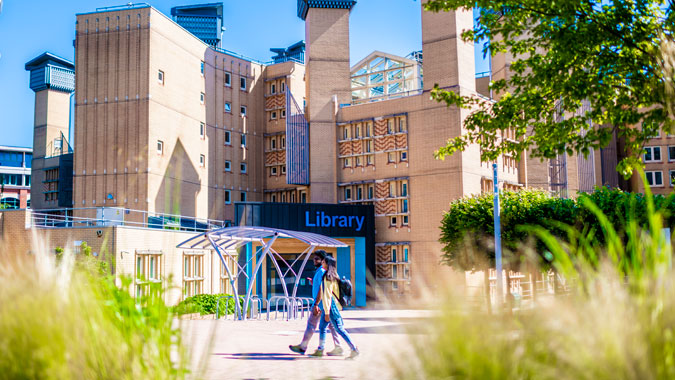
(30, 27)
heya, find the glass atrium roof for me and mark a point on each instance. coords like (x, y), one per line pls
(383, 76)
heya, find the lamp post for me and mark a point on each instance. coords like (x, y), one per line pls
(498, 237)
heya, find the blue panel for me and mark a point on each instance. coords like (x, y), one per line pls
(249, 270)
(304, 5)
(258, 280)
(360, 270)
(297, 143)
(344, 265)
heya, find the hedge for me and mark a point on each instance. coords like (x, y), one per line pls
(469, 221)
(204, 304)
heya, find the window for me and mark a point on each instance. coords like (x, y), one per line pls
(357, 131)
(201, 67)
(160, 147)
(243, 139)
(202, 130)
(242, 83)
(404, 189)
(369, 129)
(401, 125)
(371, 192)
(671, 153)
(404, 156)
(228, 79)
(201, 97)
(243, 167)
(202, 160)
(394, 285)
(26, 180)
(193, 274)
(283, 169)
(303, 197)
(228, 166)
(274, 197)
(394, 272)
(346, 132)
(242, 110)
(243, 196)
(228, 198)
(405, 254)
(148, 271)
(228, 107)
(273, 170)
(391, 157)
(160, 77)
(392, 189)
(358, 161)
(273, 88)
(654, 178)
(393, 255)
(273, 143)
(404, 206)
(370, 160)
(652, 154)
(672, 178)
(348, 193)
(283, 142)
(369, 146)
(283, 113)
(359, 193)
(348, 163)
(404, 220)
(228, 138)
(390, 126)
(392, 221)
(273, 115)
(283, 87)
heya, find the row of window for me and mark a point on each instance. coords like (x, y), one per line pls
(243, 85)
(274, 141)
(273, 87)
(655, 178)
(396, 189)
(365, 129)
(653, 154)
(276, 170)
(16, 159)
(291, 197)
(202, 134)
(369, 159)
(273, 115)
(228, 196)
(15, 180)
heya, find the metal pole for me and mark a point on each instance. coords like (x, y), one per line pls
(498, 237)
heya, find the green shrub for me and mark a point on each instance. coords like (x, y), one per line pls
(205, 304)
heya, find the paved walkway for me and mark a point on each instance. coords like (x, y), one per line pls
(259, 349)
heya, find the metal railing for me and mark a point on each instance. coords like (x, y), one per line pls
(112, 216)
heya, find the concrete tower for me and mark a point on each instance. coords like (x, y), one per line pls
(328, 86)
(53, 80)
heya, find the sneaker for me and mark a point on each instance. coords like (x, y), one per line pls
(337, 351)
(353, 354)
(317, 354)
(298, 349)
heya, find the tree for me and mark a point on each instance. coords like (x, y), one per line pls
(567, 52)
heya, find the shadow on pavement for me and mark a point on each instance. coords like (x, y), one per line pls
(262, 356)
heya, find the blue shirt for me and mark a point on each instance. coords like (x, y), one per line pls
(316, 282)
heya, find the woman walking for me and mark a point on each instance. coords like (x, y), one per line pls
(328, 305)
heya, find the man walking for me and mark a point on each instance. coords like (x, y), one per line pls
(313, 320)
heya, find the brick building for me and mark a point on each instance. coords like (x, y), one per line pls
(166, 122)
